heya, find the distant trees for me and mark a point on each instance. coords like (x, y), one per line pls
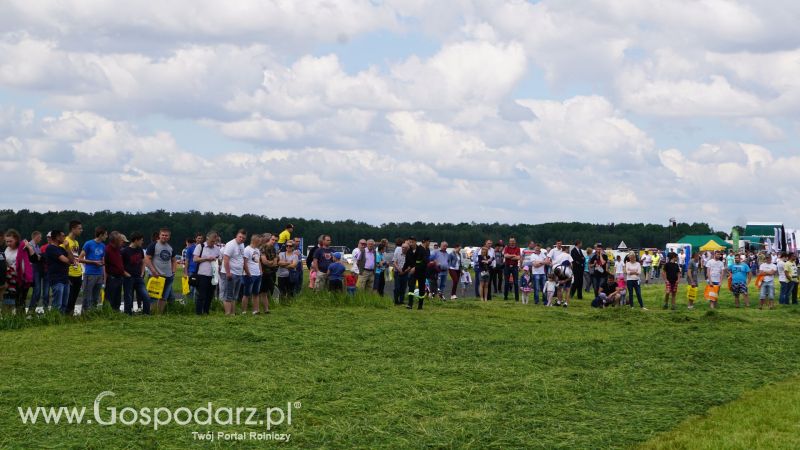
(347, 232)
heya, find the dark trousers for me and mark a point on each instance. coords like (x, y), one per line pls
(596, 282)
(417, 281)
(74, 289)
(477, 281)
(496, 279)
(380, 282)
(577, 285)
(400, 284)
(131, 286)
(285, 287)
(794, 292)
(205, 290)
(515, 275)
(114, 291)
(633, 285)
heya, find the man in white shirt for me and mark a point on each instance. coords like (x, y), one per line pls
(558, 255)
(647, 264)
(538, 263)
(767, 291)
(252, 277)
(233, 262)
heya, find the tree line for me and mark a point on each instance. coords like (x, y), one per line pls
(347, 232)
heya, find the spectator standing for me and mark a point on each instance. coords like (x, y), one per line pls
(133, 263)
(269, 269)
(205, 255)
(252, 278)
(93, 258)
(72, 245)
(58, 262)
(233, 261)
(511, 258)
(160, 260)
(578, 264)
(115, 269)
(323, 257)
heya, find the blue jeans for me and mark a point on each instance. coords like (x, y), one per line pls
(60, 296)
(538, 287)
(634, 285)
(251, 285)
(514, 272)
(785, 289)
(131, 285)
(442, 279)
(232, 287)
(41, 288)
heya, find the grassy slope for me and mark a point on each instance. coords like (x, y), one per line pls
(497, 375)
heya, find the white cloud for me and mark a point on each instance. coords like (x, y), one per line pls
(488, 110)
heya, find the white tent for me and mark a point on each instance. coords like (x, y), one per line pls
(622, 246)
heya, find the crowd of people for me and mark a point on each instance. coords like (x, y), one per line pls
(245, 271)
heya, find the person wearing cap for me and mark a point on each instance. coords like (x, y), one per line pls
(285, 236)
(115, 270)
(336, 273)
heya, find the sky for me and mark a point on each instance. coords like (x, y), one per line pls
(404, 110)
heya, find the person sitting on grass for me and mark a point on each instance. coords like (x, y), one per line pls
(740, 277)
(767, 270)
(609, 293)
(336, 275)
(673, 272)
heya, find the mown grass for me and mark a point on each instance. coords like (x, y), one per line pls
(765, 418)
(371, 375)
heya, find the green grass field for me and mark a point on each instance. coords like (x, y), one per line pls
(465, 374)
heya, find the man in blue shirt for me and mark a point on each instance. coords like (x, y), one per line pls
(740, 279)
(93, 258)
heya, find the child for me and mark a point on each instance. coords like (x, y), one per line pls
(673, 272)
(431, 274)
(484, 263)
(335, 273)
(466, 282)
(525, 284)
(550, 288)
(350, 279)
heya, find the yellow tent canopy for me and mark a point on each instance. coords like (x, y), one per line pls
(711, 246)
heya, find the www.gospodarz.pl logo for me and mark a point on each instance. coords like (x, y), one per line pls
(159, 417)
